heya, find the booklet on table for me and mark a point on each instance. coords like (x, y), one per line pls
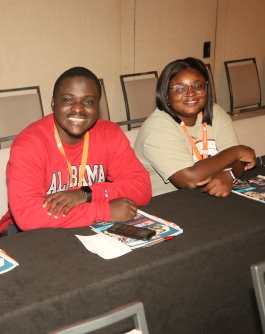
(253, 188)
(6, 262)
(165, 230)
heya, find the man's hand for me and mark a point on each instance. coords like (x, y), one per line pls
(122, 209)
(63, 201)
(220, 185)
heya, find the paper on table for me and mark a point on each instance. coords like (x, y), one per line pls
(104, 246)
(6, 262)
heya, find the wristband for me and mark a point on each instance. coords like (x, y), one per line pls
(232, 175)
(88, 192)
(230, 170)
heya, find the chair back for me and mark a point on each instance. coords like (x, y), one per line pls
(249, 128)
(103, 104)
(211, 81)
(135, 310)
(132, 135)
(243, 82)
(139, 90)
(18, 108)
(258, 273)
(4, 157)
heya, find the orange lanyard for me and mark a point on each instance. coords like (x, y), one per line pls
(204, 141)
(84, 156)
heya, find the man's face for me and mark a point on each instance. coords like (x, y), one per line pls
(76, 108)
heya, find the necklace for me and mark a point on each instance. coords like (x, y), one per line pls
(204, 141)
(83, 160)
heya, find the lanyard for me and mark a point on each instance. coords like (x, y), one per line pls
(84, 156)
(204, 141)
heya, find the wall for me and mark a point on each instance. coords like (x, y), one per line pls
(240, 34)
(170, 29)
(41, 39)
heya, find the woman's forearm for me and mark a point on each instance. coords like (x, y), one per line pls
(206, 168)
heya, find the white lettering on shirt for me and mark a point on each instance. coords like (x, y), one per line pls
(91, 176)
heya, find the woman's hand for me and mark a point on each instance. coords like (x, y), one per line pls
(248, 156)
(220, 185)
(122, 209)
(63, 201)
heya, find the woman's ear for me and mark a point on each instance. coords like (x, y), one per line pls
(167, 100)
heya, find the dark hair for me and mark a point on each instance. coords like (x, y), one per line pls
(76, 72)
(169, 72)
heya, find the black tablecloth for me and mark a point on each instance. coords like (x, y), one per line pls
(198, 282)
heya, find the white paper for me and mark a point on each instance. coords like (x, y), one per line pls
(104, 246)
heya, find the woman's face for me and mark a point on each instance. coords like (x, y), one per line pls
(187, 95)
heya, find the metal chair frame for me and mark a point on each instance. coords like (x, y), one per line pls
(244, 108)
(125, 95)
(37, 88)
(257, 273)
(134, 309)
(105, 115)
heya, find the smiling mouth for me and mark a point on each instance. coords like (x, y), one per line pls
(191, 102)
(77, 119)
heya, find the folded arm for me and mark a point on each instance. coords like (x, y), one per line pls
(211, 172)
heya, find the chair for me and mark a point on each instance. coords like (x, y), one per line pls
(135, 310)
(257, 273)
(18, 108)
(210, 73)
(244, 84)
(132, 135)
(139, 95)
(103, 105)
(4, 157)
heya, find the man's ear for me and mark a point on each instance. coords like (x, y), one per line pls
(52, 104)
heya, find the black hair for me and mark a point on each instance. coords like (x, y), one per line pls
(169, 72)
(74, 72)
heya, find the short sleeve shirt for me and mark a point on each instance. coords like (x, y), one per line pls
(164, 148)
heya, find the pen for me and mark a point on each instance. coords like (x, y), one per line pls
(158, 241)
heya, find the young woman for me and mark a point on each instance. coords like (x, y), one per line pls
(188, 141)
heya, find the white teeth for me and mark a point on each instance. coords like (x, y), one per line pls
(74, 119)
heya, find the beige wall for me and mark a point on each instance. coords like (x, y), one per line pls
(41, 39)
(171, 29)
(240, 34)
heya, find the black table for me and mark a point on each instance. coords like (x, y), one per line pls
(198, 282)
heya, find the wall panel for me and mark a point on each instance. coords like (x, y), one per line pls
(41, 39)
(240, 34)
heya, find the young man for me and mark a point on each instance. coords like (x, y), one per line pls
(70, 169)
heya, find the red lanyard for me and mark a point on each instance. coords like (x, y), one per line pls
(204, 141)
(84, 156)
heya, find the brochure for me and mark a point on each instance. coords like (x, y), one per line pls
(253, 188)
(165, 230)
(6, 262)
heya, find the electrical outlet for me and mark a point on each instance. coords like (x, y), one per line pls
(206, 49)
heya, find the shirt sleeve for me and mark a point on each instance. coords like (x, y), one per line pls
(126, 175)
(26, 193)
(167, 149)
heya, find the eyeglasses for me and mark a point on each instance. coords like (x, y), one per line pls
(198, 88)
